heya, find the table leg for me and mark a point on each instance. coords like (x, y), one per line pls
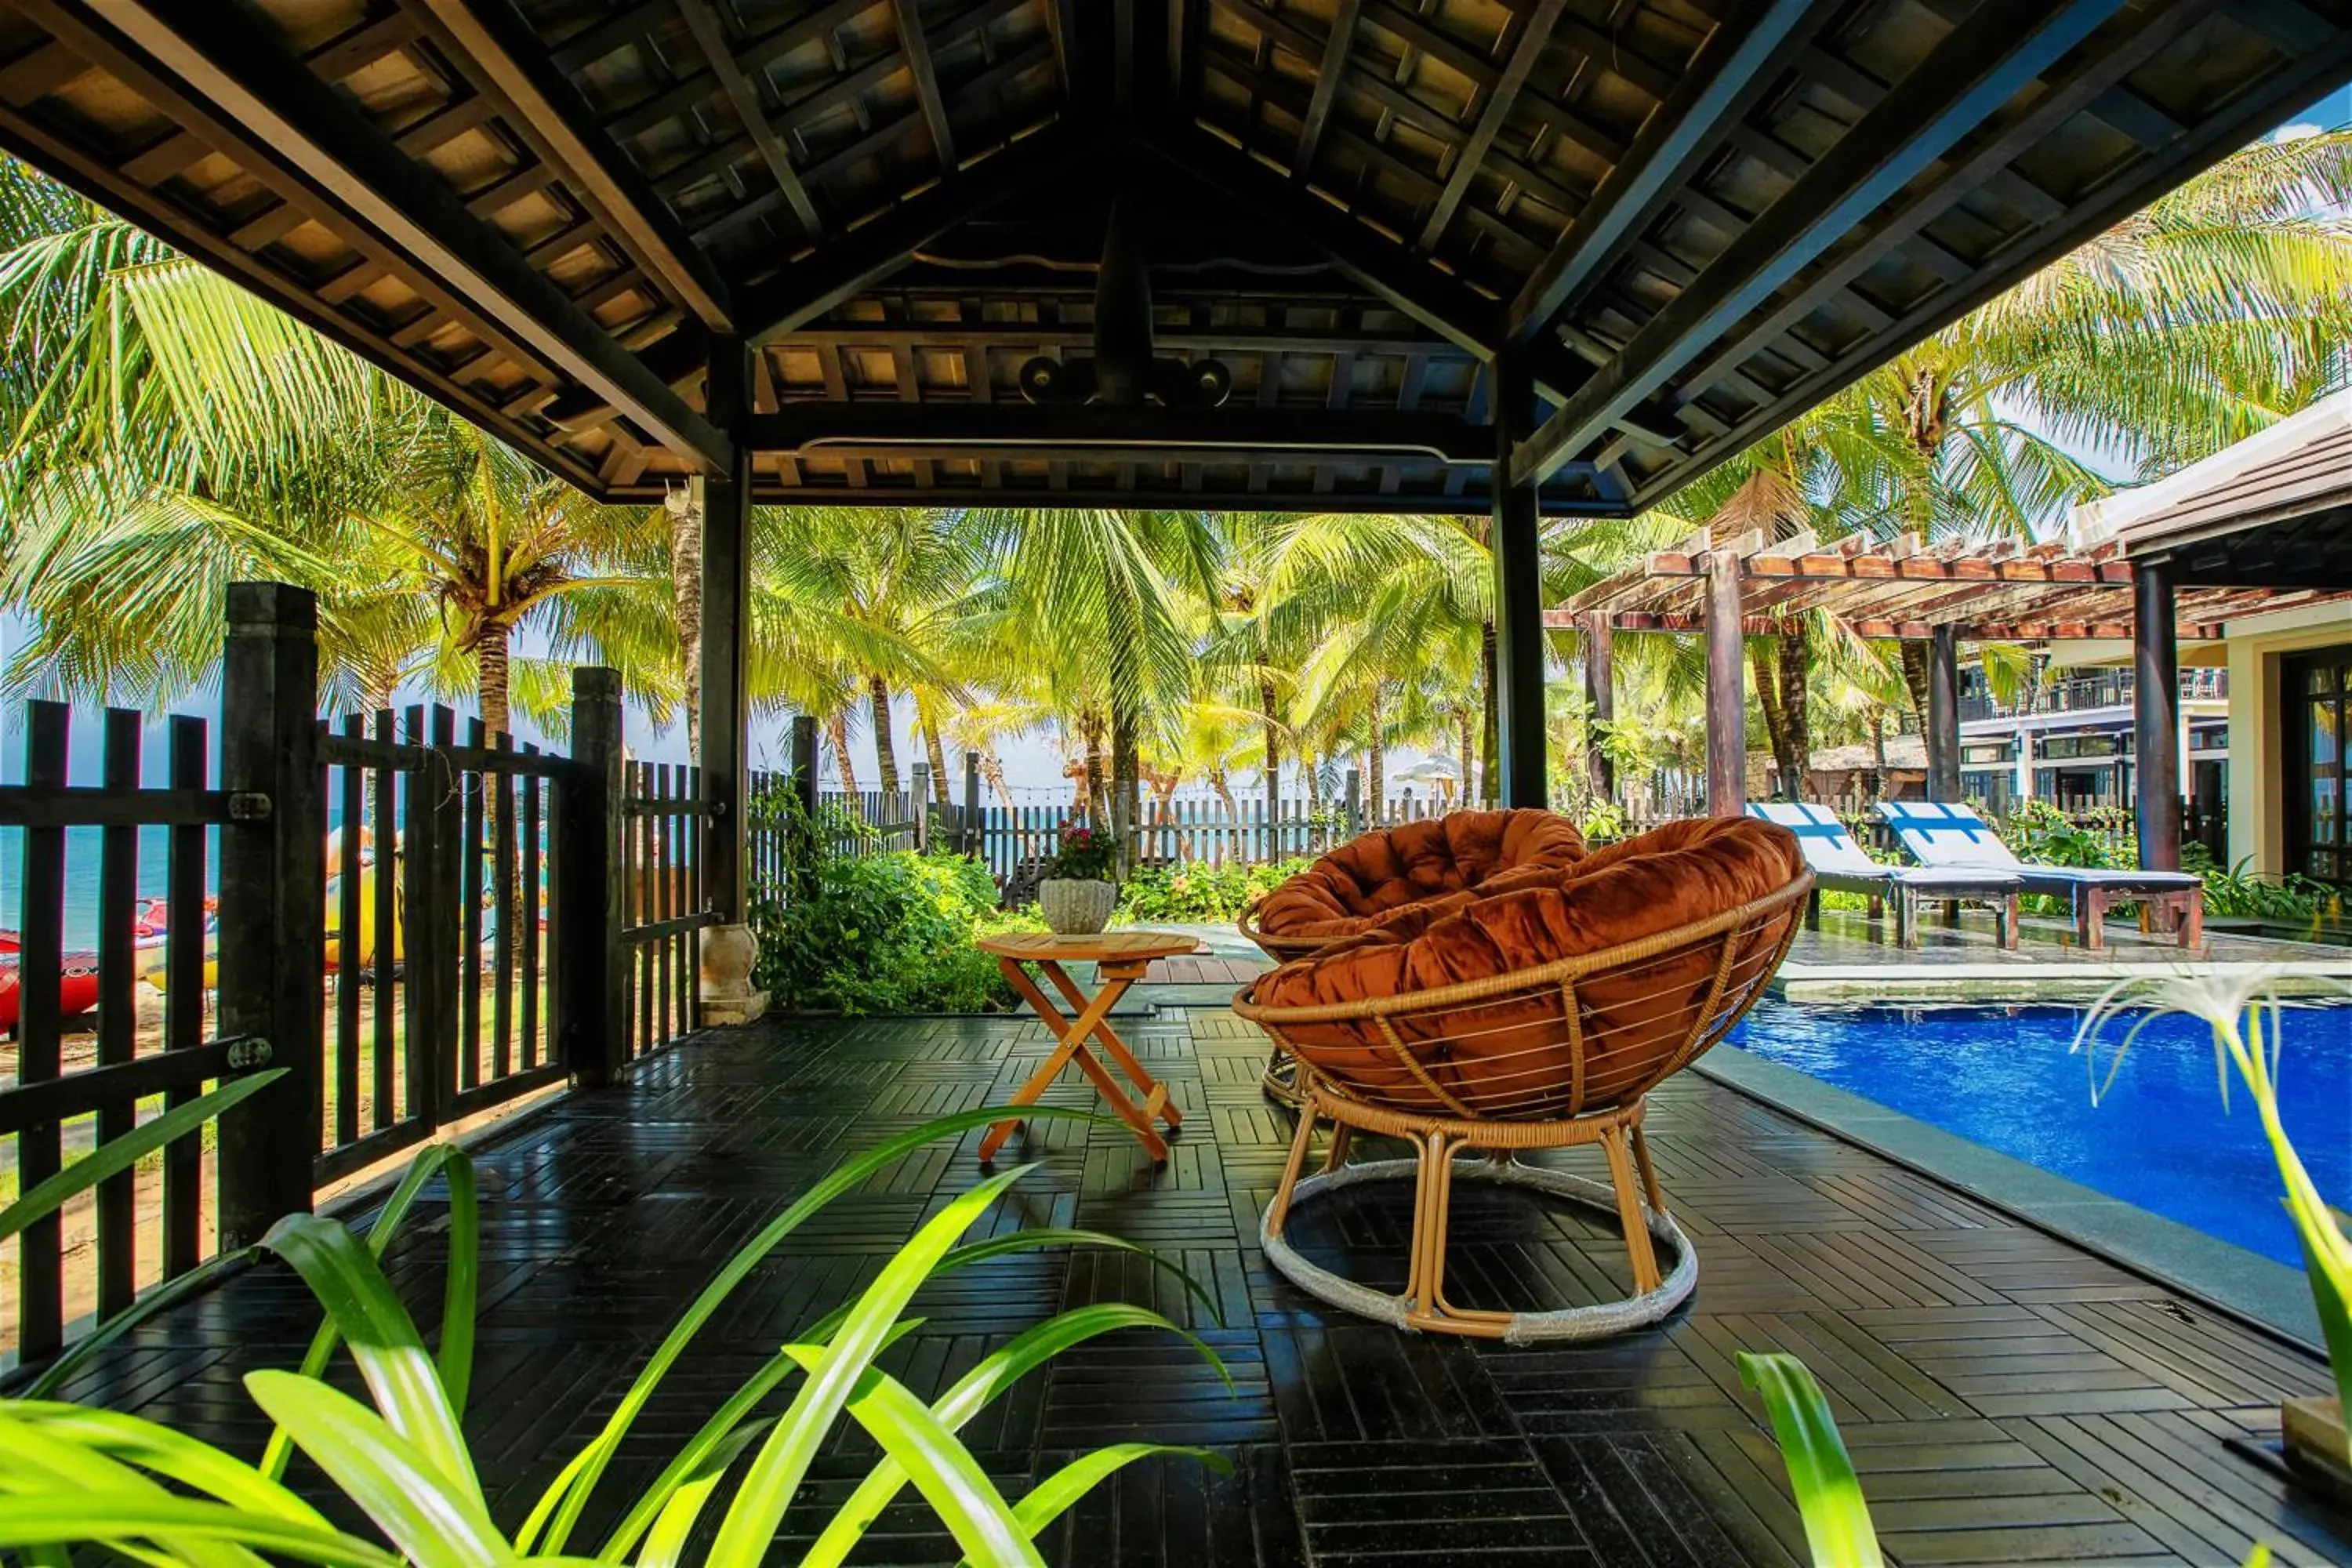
(1073, 1034)
(1136, 1073)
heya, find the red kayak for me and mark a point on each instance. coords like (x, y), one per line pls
(77, 988)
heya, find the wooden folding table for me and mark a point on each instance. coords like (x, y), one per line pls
(1119, 959)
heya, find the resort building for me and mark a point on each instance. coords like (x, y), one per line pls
(2269, 682)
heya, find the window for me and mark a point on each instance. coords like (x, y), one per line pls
(2315, 697)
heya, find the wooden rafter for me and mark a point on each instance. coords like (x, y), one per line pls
(1534, 36)
(709, 34)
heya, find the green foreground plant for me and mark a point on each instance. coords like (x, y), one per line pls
(141, 1491)
(1195, 892)
(2233, 1006)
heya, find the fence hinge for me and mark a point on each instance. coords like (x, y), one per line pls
(247, 1052)
(248, 805)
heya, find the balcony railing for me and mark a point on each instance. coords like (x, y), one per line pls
(2078, 694)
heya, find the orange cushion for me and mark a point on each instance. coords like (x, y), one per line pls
(1346, 891)
(1514, 1057)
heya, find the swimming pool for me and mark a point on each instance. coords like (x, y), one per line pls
(2158, 1139)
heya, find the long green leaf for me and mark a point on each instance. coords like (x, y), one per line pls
(1048, 1499)
(429, 1163)
(434, 1521)
(942, 1469)
(36, 1521)
(400, 1375)
(161, 1298)
(971, 1393)
(558, 1509)
(1828, 1493)
(28, 1456)
(713, 1433)
(120, 1154)
(453, 1356)
(667, 1543)
(173, 1455)
(759, 1506)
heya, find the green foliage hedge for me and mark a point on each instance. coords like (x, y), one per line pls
(1194, 892)
(886, 933)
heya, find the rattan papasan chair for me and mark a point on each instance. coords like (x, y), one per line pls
(1535, 1019)
(1439, 862)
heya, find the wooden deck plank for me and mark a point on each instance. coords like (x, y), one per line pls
(2007, 1398)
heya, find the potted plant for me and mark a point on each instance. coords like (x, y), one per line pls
(1079, 890)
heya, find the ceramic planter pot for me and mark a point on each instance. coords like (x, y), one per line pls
(1077, 908)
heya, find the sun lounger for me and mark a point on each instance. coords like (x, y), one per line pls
(1839, 864)
(1946, 836)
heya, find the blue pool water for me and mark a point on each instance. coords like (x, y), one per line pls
(2157, 1139)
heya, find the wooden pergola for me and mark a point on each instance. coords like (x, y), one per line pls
(1965, 590)
(1508, 256)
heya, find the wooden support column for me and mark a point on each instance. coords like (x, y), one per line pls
(724, 499)
(1944, 714)
(591, 963)
(802, 842)
(2156, 718)
(1600, 703)
(272, 885)
(1727, 690)
(1516, 542)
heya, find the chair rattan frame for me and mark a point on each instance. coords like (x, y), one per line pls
(1279, 1082)
(1747, 944)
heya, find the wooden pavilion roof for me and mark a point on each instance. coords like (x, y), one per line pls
(1988, 593)
(1691, 220)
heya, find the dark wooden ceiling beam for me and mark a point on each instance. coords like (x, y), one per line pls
(909, 23)
(849, 264)
(1732, 69)
(1534, 36)
(1966, 78)
(2087, 82)
(1334, 70)
(1096, 433)
(709, 30)
(247, 73)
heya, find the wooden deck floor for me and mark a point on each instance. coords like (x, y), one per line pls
(2008, 1398)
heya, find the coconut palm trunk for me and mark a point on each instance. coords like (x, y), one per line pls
(1915, 680)
(886, 745)
(837, 731)
(1273, 721)
(492, 677)
(686, 593)
(1796, 705)
(937, 752)
(1469, 738)
(1490, 752)
(1762, 662)
(991, 771)
(1224, 788)
(1376, 773)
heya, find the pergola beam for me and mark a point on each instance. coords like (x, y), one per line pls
(249, 73)
(1980, 67)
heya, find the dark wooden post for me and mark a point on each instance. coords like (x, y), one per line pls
(1943, 713)
(802, 842)
(589, 965)
(726, 716)
(1517, 547)
(1726, 689)
(1601, 702)
(971, 833)
(272, 885)
(1355, 786)
(2156, 718)
(919, 800)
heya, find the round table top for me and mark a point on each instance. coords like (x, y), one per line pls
(1112, 946)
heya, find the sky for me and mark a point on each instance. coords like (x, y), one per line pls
(1032, 764)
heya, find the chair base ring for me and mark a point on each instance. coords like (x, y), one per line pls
(1595, 1320)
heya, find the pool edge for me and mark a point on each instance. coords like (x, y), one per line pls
(2228, 1278)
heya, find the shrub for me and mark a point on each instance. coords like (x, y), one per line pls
(2237, 891)
(1195, 892)
(885, 933)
